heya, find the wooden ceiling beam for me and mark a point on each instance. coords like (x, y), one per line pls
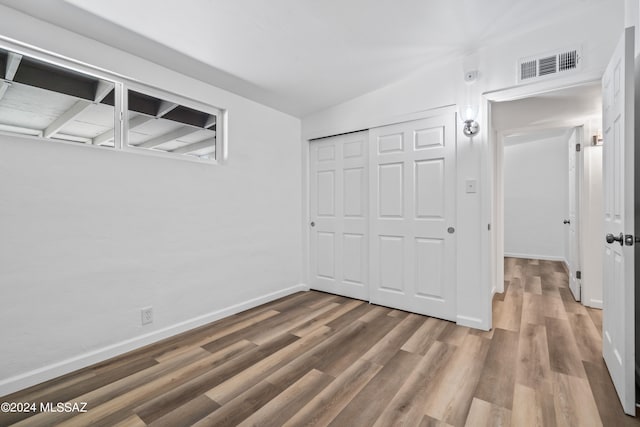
(211, 121)
(165, 107)
(108, 135)
(66, 117)
(167, 137)
(13, 62)
(190, 148)
(103, 88)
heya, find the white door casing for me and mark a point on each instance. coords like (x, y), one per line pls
(412, 199)
(338, 211)
(618, 183)
(573, 236)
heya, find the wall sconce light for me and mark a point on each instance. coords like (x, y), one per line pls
(469, 112)
(597, 138)
(468, 115)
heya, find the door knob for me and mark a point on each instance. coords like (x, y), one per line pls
(313, 224)
(566, 221)
(611, 238)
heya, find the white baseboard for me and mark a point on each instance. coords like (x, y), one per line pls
(472, 322)
(37, 376)
(535, 256)
(594, 303)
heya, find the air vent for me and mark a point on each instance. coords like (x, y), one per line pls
(548, 65)
(568, 60)
(528, 69)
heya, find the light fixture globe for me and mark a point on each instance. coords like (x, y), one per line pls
(470, 127)
(468, 114)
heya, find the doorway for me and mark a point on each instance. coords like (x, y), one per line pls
(537, 130)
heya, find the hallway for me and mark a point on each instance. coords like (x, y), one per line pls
(559, 342)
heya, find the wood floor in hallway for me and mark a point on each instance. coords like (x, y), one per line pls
(319, 359)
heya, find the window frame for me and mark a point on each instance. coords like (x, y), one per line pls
(122, 84)
(180, 100)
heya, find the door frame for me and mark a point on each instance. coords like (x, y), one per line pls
(576, 224)
(494, 165)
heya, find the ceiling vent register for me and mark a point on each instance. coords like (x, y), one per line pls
(549, 65)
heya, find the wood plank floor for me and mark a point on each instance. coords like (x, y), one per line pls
(319, 359)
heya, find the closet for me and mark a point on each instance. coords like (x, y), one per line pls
(382, 215)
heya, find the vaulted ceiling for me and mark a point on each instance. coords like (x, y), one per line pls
(300, 56)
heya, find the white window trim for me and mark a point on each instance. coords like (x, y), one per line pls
(178, 99)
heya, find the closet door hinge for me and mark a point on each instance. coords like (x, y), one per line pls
(578, 147)
(578, 274)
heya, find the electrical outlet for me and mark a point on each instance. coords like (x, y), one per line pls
(146, 315)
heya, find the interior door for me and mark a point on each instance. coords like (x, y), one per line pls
(618, 175)
(338, 215)
(412, 190)
(573, 237)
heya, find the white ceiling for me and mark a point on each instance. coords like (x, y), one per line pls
(563, 108)
(300, 56)
(536, 136)
(547, 115)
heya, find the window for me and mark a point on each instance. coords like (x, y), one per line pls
(166, 126)
(41, 99)
(53, 102)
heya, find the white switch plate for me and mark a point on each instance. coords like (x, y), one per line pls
(471, 185)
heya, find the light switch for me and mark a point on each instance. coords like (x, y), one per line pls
(471, 185)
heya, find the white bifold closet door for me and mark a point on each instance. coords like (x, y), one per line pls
(338, 215)
(382, 215)
(412, 223)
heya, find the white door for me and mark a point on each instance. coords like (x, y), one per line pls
(618, 174)
(338, 215)
(412, 190)
(572, 240)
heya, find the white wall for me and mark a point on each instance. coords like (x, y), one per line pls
(535, 198)
(597, 29)
(89, 235)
